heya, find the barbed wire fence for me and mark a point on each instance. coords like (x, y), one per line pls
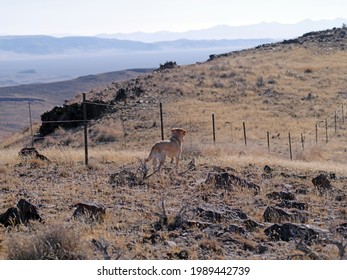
(323, 132)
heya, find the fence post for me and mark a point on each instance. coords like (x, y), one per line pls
(161, 121)
(244, 132)
(85, 122)
(213, 130)
(316, 133)
(326, 131)
(290, 147)
(302, 142)
(31, 126)
(335, 122)
(268, 141)
(343, 115)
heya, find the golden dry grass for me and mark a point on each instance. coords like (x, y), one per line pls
(279, 89)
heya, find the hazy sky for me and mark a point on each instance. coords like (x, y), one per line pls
(90, 17)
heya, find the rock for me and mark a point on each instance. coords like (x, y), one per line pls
(182, 255)
(21, 214)
(124, 178)
(171, 244)
(11, 217)
(281, 195)
(167, 65)
(251, 225)
(90, 212)
(31, 152)
(235, 229)
(267, 172)
(67, 113)
(218, 213)
(293, 204)
(227, 180)
(278, 215)
(322, 184)
(342, 229)
(289, 231)
(28, 152)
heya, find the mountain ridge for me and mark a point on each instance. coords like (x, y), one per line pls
(47, 45)
(273, 30)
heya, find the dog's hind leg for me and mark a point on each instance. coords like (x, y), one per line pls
(161, 161)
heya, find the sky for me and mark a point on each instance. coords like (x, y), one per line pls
(91, 17)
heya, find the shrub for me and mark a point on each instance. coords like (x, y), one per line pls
(57, 243)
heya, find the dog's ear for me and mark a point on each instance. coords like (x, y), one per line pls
(184, 132)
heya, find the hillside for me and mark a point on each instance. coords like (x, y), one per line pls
(230, 199)
(14, 100)
(287, 87)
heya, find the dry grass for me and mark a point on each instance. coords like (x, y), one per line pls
(288, 88)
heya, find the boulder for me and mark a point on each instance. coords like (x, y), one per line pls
(277, 215)
(281, 195)
(69, 116)
(21, 214)
(31, 153)
(227, 181)
(216, 214)
(289, 231)
(292, 204)
(322, 184)
(124, 178)
(90, 212)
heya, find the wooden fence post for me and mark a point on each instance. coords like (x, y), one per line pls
(316, 133)
(213, 130)
(244, 133)
(268, 141)
(326, 131)
(161, 121)
(85, 122)
(290, 147)
(343, 115)
(302, 142)
(31, 126)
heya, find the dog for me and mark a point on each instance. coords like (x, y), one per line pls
(168, 148)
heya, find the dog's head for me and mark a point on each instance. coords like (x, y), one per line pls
(179, 133)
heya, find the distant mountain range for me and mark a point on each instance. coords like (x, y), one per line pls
(272, 30)
(218, 37)
(48, 45)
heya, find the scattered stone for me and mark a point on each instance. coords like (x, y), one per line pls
(227, 181)
(251, 225)
(292, 204)
(182, 255)
(342, 229)
(278, 215)
(167, 65)
(68, 114)
(124, 178)
(217, 214)
(31, 153)
(21, 214)
(268, 169)
(235, 229)
(155, 238)
(289, 231)
(322, 184)
(281, 195)
(90, 212)
(267, 172)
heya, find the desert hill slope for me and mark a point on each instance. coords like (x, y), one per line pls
(43, 96)
(287, 87)
(232, 199)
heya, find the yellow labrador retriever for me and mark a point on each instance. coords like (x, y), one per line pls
(171, 148)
